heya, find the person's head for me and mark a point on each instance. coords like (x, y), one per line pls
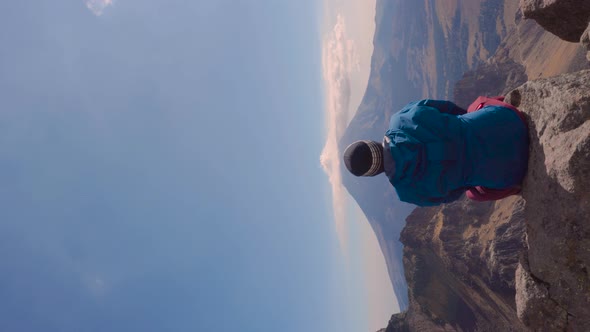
(364, 158)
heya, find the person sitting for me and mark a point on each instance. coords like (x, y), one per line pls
(434, 151)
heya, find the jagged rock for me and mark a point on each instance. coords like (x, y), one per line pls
(557, 195)
(533, 303)
(566, 19)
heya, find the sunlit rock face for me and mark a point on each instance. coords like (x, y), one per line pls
(554, 284)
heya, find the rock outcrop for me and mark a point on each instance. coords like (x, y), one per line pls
(566, 19)
(460, 261)
(554, 279)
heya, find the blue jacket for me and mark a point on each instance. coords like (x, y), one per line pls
(439, 150)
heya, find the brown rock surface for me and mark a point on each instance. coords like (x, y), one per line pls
(567, 19)
(491, 79)
(557, 206)
(533, 302)
(460, 261)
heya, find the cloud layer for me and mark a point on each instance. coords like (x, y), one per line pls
(339, 61)
(98, 6)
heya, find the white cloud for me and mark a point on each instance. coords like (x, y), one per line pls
(98, 6)
(339, 61)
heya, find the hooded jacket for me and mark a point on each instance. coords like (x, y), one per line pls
(440, 151)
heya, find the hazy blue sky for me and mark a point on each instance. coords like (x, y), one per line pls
(159, 170)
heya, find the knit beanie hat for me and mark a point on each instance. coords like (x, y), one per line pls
(364, 158)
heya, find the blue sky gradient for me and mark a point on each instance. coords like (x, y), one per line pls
(159, 169)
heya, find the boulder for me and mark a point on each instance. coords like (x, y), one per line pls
(567, 19)
(534, 307)
(556, 191)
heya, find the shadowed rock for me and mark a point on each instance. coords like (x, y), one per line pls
(533, 302)
(492, 79)
(567, 19)
(460, 260)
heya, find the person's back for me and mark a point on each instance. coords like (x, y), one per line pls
(496, 148)
(427, 146)
(439, 151)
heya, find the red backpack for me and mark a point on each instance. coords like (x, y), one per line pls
(479, 193)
